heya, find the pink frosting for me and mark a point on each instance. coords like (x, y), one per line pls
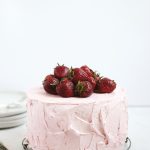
(98, 122)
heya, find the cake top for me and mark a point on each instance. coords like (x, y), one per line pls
(77, 82)
(39, 94)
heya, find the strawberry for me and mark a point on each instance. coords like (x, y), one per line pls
(80, 75)
(83, 89)
(50, 83)
(65, 88)
(92, 81)
(61, 71)
(105, 85)
(96, 75)
(87, 70)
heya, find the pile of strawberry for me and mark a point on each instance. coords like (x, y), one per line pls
(76, 82)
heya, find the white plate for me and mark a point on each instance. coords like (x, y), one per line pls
(12, 123)
(14, 117)
(12, 103)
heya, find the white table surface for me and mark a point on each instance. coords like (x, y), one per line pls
(139, 131)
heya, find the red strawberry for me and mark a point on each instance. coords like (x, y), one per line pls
(92, 81)
(65, 88)
(87, 70)
(50, 83)
(61, 71)
(105, 85)
(83, 89)
(96, 76)
(79, 75)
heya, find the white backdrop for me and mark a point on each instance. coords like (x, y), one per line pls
(112, 37)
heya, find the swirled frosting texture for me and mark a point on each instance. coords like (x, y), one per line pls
(98, 122)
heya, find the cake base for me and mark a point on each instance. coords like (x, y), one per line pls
(26, 146)
(98, 122)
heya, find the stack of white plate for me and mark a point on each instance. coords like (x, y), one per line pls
(12, 109)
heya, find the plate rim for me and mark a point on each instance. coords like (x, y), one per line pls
(5, 111)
